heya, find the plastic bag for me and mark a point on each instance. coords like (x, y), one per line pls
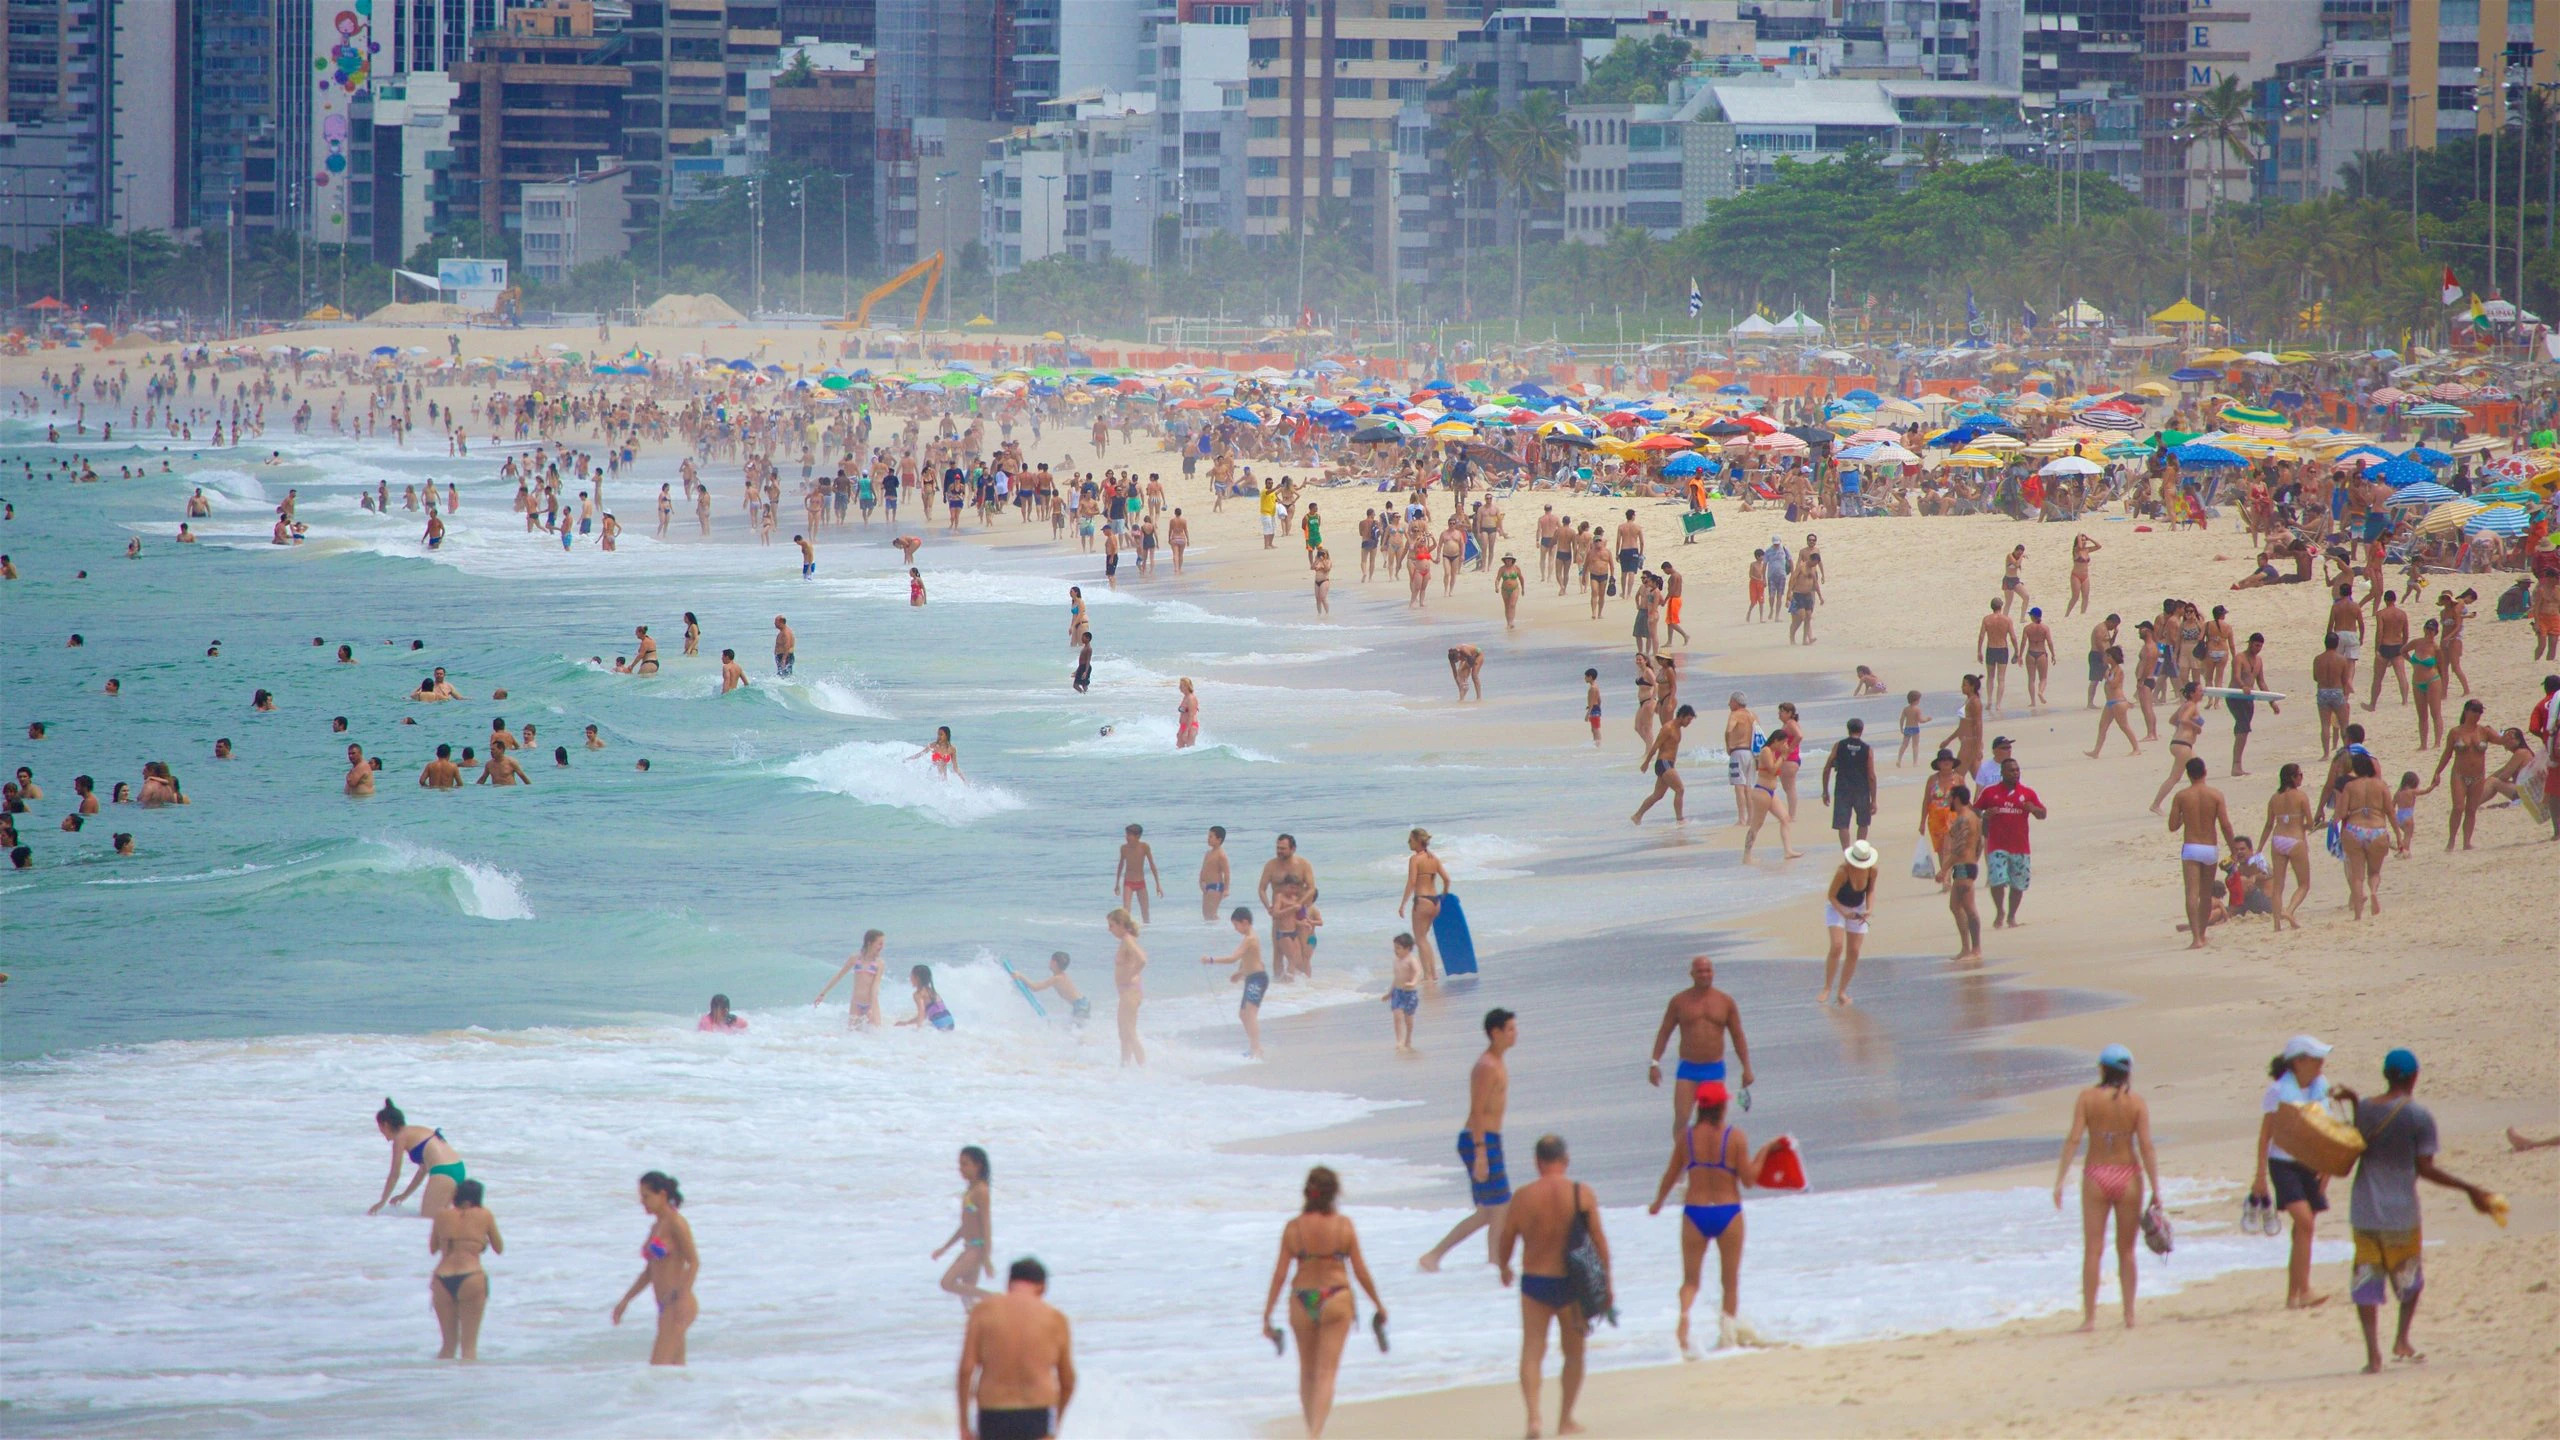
(1924, 861)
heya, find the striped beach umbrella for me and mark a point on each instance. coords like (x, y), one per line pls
(2501, 520)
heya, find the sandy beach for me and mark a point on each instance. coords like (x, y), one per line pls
(2457, 967)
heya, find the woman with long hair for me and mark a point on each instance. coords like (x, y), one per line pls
(459, 1289)
(1325, 1248)
(439, 1168)
(2285, 839)
(2118, 1125)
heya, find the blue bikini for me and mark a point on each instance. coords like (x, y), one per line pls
(1711, 1220)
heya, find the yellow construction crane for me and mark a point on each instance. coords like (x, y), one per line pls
(930, 268)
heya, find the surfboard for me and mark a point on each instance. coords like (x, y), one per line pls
(1036, 1007)
(1449, 934)
(2228, 693)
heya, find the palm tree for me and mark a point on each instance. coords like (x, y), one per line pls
(1533, 144)
(1473, 127)
(2219, 120)
(1935, 154)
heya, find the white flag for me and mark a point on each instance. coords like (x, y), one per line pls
(1697, 298)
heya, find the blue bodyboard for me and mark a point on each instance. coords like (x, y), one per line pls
(1449, 933)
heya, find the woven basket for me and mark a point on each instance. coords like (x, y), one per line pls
(2317, 1139)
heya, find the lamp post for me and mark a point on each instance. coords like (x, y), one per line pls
(844, 237)
(755, 247)
(800, 202)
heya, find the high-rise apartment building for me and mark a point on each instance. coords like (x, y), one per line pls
(1192, 53)
(1325, 80)
(538, 99)
(54, 138)
(2452, 59)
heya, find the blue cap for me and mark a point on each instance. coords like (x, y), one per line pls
(2400, 1065)
(2116, 1057)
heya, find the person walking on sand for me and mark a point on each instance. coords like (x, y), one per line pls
(1017, 1361)
(1325, 1247)
(459, 1288)
(1960, 861)
(1404, 994)
(1707, 1018)
(2118, 1125)
(2299, 1192)
(1540, 1221)
(2006, 807)
(1716, 1158)
(1848, 907)
(1662, 755)
(974, 1233)
(2382, 1210)
(2203, 821)
(1480, 1143)
(1994, 640)
(1426, 879)
(1768, 773)
(1128, 962)
(1739, 727)
(2285, 839)
(669, 1266)
(1852, 765)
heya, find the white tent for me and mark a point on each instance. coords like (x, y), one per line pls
(2080, 315)
(1753, 328)
(1797, 326)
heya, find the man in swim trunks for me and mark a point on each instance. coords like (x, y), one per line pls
(1129, 880)
(1630, 551)
(2248, 672)
(2390, 640)
(1993, 640)
(441, 773)
(1285, 864)
(2346, 621)
(1801, 584)
(786, 646)
(2333, 680)
(808, 556)
(1739, 724)
(359, 772)
(1017, 1361)
(1540, 1219)
(2203, 821)
(1960, 860)
(2102, 638)
(1705, 1017)
(1480, 1144)
(1673, 583)
(1663, 756)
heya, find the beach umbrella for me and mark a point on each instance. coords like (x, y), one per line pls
(2425, 456)
(2476, 445)
(2435, 410)
(2399, 471)
(2424, 492)
(1997, 442)
(2251, 415)
(1780, 441)
(1663, 442)
(2126, 450)
(1243, 416)
(2193, 375)
(2071, 465)
(2449, 516)
(1680, 465)
(1561, 427)
(1974, 460)
(2195, 456)
(2504, 520)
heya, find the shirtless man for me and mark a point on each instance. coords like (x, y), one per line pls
(1285, 864)
(1540, 1220)
(1960, 860)
(359, 772)
(1739, 723)
(645, 662)
(2248, 672)
(501, 769)
(1663, 756)
(1466, 666)
(1215, 877)
(786, 646)
(1801, 585)
(1993, 642)
(2346, 621)
(1630, 552)
(2390, 640)
(441, 773)
(2102, 638)
(2203, 823)
(1480, 1143)
(2333, 682)
(1129, 878)
(808, 557)
(731, 676)
(1017, 1361)
(1673, 584)
(1705, 1017)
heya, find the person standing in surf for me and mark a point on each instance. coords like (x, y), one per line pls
(1426, 879)
(1480, 1143)
(669, 1267)
(2118, 1124)
(1128, 963)
(1325, 1246)
(459, 1288)
(1716, 1157)
(975, 1231)
(864, 966)
(1707, 1019)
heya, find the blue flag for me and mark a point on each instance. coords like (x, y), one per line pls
(1972, 315)
(1697, 298)
(2027, 313)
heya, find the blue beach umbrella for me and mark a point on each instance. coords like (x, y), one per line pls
(2401, 471)
(2194, 374)
(2426, 456)
(2424, 492)
(1242, 416)
(2193, 456)
(2508, 520)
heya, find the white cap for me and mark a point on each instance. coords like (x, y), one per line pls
(2305, 1047)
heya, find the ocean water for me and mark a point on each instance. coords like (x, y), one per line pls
(197, 1036)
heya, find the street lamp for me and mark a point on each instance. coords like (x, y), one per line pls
(844, 237)
(800, 202)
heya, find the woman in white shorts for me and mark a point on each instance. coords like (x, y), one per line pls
(1848, 904)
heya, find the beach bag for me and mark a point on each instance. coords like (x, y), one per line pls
(2155, 1228)
(1586, 1275)
(2317, 1139)
(1783, 1167)
(1924, 861)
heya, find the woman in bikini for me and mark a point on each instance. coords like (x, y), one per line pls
(1325, 1247)
(2118, 1124)
(1717, 1159)
(2285, 840)
(2466, 749)
(864, 967)
(459, 1289)
(692, 634)
(1186, 717)
(2013, 586)
(946, 759)
(1766, 802)
(2082, 547)
(2426, 684)
(975, 1231)
(1425, 881)
(2185, 724)
(2364, 834)
(439, 1168)
(669, 1265)
(1847, 908)
(2116, 707)
(1791, 733)
(2455, 610)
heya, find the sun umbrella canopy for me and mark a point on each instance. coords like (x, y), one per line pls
(2071, 465)
(2424, 492)
(2194, 374)
(2508, 520)
(2195, 456)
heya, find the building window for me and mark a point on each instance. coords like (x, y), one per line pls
(1653, 177)
(1262, 205)
(1101, 217)
(1421, 49)
(1262, 88)
(1263, 48)
(1654, 214)
(1355, 49)
(2458, 55)
(1345, 89)
(1408, 89)
(1262, 167)
(1408, 12)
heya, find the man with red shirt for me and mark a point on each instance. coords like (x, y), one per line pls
(2005, 808)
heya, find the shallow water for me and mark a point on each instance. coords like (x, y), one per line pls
(197, 1036)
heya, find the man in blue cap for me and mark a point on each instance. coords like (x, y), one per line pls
(2399, 1150)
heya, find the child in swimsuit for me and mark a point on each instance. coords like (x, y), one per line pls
(1912, 720)
(2404, 809)
(929, 1008)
